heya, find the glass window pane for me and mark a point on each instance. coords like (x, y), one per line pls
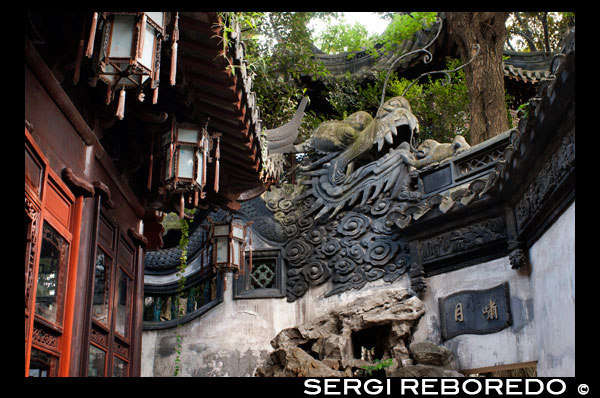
(236, 252)
(187, 135)
(186, 162)
(96, 361)
(213, 288)
(122, 36)
(169, 166)
(238, 231)
(109, 73)
(148, 51)
(222, 247)
(119, 367)
(222, 230)
(42, 364)
(156, 17)
(52, 266)
(101, 287)
(123, 304)
(200, 161)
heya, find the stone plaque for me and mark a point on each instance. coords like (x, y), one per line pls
(475, 311)
(437, 179)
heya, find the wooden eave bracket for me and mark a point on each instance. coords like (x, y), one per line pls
(78, 185)
(137, 238)
(102, 190)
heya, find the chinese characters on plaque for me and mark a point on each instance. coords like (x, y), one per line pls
(475, 311)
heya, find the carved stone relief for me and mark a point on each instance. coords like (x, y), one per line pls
(548, 179)
(348, 229)
(462, 239)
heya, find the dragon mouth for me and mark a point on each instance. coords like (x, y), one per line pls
(394, 137)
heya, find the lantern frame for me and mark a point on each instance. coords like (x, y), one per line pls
(129, 70)
(173, 143)
(230, 240)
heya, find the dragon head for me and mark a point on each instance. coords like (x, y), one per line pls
(395, 124)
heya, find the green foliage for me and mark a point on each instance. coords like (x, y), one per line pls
(183, 243)
(404, 26)
(442, 109)
(537, 31)
(379, 364)
(344, 37)
(343, 95)
(279, 52)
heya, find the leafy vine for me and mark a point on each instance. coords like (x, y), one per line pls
(183, 243)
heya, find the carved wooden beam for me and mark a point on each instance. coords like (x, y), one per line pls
(78, 185)
(137, 238)
(101, 189)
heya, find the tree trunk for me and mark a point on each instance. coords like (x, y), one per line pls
(484, 76)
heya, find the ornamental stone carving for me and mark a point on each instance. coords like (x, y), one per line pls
(360, 186)
(336, 345)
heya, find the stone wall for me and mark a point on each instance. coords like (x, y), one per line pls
(234, 338)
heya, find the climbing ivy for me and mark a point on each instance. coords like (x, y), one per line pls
(183, 243)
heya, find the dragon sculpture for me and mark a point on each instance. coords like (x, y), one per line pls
(359, 156)
(356, 172)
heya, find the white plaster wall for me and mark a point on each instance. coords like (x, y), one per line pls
(553, 289)
(233, 338)
(228, 340)
(515, 344)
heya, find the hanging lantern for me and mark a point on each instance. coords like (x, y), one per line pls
(185, 155)
(129, 53)
(228, 240)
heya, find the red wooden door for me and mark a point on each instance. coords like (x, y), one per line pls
(52, 224)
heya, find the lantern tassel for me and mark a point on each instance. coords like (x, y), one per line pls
(90, 47)
(174, 50)
(108, 95)
(182, 206)
(173, 62)
(204, 160)
(217, 157)
(121, 106)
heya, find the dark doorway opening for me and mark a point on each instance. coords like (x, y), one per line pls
(373, 341)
